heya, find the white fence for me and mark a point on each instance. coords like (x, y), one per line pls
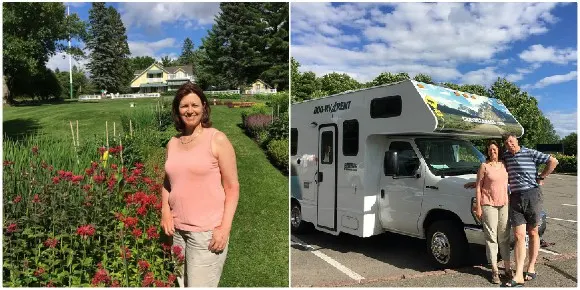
(221, 92)
(262, 91)
(89, 97)
(118, 96)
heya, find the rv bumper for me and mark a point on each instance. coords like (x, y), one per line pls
(474, 235)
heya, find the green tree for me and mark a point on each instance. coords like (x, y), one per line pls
(474, 89)
(334, 83)
(32, 33)
(247, 41)
(389, 78)
(187, 56)
(303, 84)
(141, 62)
(570, 144)
(168, 61)
(423, 78)
(109, 65)
(80, 82)
(525, 108)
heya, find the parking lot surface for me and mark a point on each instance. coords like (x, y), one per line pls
(392, 260)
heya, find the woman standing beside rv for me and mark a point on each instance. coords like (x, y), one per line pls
(201, 190)
(491, 190)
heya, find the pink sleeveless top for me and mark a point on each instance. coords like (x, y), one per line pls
(197, 195)
(494, 186)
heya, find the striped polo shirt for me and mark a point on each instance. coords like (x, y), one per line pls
(522, 168)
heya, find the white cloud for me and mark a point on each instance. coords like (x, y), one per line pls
(552, 80)
(144, 48)
(365, 39)
(564, 123)
(75, 4)
(539, 53)
(60, 61)
(153, 15)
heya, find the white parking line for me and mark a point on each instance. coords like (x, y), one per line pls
(557, 219)
(549, 252)
(568, 204)
(329, 260)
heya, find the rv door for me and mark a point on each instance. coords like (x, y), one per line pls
(326, 176)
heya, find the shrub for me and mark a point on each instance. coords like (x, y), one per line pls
(278, 153)
(256, 109)
(257, 123)
(279, 103)
(566, 163)
(279, 128)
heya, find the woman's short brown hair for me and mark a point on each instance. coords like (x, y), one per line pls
(184, 90)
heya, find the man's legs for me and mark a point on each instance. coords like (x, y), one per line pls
(534, 218)
(534, 248)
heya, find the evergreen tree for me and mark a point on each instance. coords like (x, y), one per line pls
(140, 62)
(248, 41)
(109, 65)
(187, 53)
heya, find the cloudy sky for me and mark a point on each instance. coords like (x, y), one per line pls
(531, 44)
(158, 36)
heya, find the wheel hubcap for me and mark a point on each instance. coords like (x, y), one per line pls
(440, 248)
(296, 217)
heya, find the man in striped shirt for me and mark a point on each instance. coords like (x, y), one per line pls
(526, 201)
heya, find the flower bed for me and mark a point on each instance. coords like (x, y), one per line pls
(94, 227)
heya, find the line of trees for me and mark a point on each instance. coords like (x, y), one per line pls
(538, 129)
(247, 41)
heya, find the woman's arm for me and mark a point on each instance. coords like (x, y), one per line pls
(224, 151)
(478, 183)
(166, 217)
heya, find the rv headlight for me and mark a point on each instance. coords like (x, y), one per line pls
(473, 207)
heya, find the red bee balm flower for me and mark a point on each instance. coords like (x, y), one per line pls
(86, 231)
(148, 279)
(11, 228)
(177, 250)
(130, 221)
(36, 198)
(143, 265)
(55, 180)
(138, 165)
(171, 278)
(114, 166)
(38, 272)
(102, 150)
(17, 199)
(101, 276)
(125, 252)
(35, 150)
(152, 232)
(137, 233)
(51, 242)
(99, 178)
(142, 211)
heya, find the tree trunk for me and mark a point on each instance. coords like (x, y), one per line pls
(7, 98)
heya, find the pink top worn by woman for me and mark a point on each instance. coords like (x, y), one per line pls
(494, 185)
(197, 195)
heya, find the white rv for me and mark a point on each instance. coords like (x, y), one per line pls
(393, 158)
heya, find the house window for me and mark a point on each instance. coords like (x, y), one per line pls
(293, 141)
(350, 137)
(386, 107)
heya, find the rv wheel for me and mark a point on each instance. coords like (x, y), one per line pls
(298, 225)
(446, 244)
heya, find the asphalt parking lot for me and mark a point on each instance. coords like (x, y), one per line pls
(391, 260)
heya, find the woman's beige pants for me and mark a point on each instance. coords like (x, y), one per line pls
(496, 229)
(202, 267)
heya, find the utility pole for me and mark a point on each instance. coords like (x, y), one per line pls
(69, 59)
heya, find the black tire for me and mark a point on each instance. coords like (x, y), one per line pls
(447, 244)
(297, 224)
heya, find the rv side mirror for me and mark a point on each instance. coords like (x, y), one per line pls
(391, 163)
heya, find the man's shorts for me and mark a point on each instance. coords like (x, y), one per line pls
(526, 207)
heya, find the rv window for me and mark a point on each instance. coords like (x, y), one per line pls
(408, 160)
(386, 107)
(350, 138)
(293, 141)
(326, 147)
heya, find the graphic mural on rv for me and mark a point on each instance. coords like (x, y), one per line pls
(461, 112)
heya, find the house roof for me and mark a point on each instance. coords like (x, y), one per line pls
(259, 80)
(188, 69)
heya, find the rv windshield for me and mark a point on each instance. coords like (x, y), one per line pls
(446, 157)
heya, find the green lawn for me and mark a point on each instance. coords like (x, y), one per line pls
(258, 254)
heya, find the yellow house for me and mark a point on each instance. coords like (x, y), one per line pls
(159, 79)
(259, 87)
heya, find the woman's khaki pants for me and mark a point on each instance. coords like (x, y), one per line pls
(202, 267)
(496, 229)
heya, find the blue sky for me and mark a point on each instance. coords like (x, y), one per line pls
(156, 36)
(531, 44)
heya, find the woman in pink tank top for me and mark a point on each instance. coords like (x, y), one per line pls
(201, 189)
(492, 206)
